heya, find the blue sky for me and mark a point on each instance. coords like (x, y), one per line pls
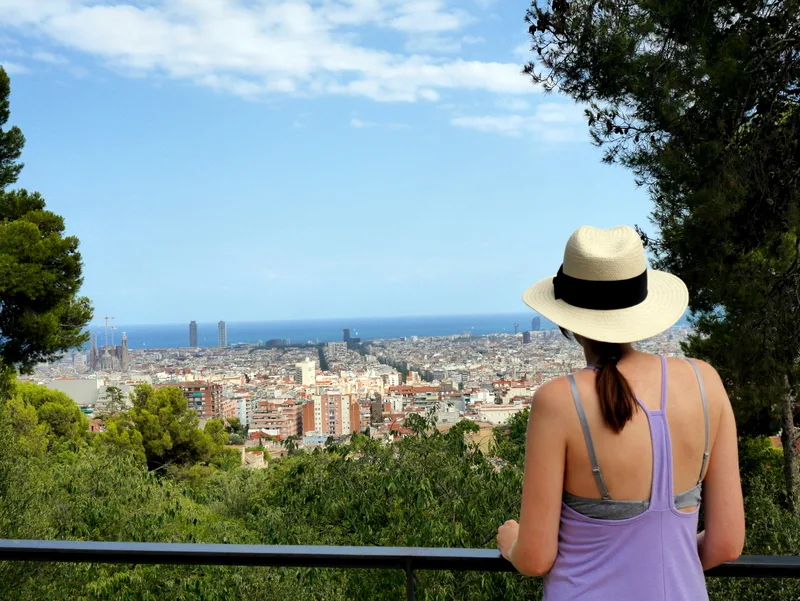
(282, 159)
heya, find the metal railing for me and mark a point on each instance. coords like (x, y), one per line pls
(408, 559)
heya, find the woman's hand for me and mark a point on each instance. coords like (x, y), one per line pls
(507, 538)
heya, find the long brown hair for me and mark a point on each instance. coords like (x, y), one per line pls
(617, 401)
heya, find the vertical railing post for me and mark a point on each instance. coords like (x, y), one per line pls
(411, 593)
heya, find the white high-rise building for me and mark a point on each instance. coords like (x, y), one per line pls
(222, 334)
(344, 414)
(306, 374)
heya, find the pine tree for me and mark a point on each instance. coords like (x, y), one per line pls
(41, 313)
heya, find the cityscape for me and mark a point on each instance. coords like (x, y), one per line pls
(276, 288)
(315, 394)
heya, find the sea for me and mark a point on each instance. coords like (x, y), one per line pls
(300, 331)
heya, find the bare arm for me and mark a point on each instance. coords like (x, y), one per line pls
(723, 537)
(536, 547)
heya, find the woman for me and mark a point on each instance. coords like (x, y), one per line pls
(617, 454)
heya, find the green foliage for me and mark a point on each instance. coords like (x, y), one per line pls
(41, 314)
(228, 459)
(46, 416)
(508, 442)
(457, 435)
(290, 444)
(169, 428)
(416, 423)
(235, 427)
(357, 495)
(23, 422)
(114, 400)
(428, 490)
(122, 439)
(215, 428)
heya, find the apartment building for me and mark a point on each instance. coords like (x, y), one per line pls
(280, 419)
(204, 397)
(335, 413)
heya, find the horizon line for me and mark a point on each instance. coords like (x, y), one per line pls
(187, 322)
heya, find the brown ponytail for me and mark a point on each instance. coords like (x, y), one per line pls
(617, 402)
(616, 397)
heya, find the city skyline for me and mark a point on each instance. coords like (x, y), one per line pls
(317, 330)
(97, 322)
(444, 182)
(533, 318)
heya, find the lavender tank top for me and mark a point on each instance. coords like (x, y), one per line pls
(652, 556)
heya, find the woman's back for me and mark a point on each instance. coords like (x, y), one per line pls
(625, 458)
(629, 521)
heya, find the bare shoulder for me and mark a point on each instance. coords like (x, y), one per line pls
(707, 371)
(549, 397)
(715, 389)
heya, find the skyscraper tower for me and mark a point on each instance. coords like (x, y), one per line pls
(536, 324)
(222, 335)
(193, 334)
(346, 334)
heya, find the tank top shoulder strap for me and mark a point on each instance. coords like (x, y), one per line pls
(587, 435)
(661, 491)
(704, 401)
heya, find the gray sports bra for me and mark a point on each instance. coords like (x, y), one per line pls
(607, 508)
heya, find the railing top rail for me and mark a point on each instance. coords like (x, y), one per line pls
(254, 555)
(417, 558)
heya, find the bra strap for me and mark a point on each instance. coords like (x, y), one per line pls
(587, 435)
(704, 400)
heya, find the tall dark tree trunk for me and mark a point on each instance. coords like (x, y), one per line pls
(789, 442)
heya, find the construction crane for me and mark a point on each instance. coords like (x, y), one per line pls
(106, 328)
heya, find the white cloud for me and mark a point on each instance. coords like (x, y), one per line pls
(504, 124)
(432, 44)
(266, 47)
(513, 104)
(47, 57)
(485, 3)
(429, 16)
(438, 44)
(13, 68)
(402, 15)
(553, 122)
(358, 123)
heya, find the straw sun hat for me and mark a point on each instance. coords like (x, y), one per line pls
(605, 292)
